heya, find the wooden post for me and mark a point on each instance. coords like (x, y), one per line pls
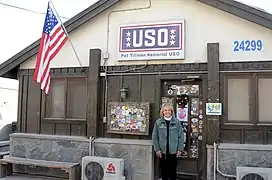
(213, 90)
(93, 91)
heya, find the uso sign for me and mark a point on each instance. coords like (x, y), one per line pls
(163, 40)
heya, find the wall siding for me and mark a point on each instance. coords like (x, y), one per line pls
(142, 87)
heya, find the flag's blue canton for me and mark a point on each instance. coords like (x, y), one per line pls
(50, 21)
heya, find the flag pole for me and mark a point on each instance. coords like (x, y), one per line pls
(69, 39)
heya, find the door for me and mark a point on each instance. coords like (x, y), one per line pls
(191, 118)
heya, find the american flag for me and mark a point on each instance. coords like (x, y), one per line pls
(53, 39)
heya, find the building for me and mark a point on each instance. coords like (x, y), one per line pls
(8, 101)
(223, 56)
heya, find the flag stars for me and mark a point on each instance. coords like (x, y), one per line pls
(128, 44)
(128, 34)
(128, 39)
(172, 36)
(172, 31)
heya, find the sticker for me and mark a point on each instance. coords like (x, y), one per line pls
(200, 111)
(200, 130)
(200, 138)
(194, 134)
(194, 149)
(200, 122)
(170, 91)
(194, 106)
(182, 114)
(200, 116)
(194, 121)
(200, 126)
(194, 128)
(200, 102)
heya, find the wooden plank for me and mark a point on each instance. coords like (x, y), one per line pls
(93, 91)
(114, 84)
(20, 103)
(39, 163)
(24, 105)
(33, 106)
(148, 94)
(132, 82)
(212, 128)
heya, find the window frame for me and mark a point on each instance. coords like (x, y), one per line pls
(260, 76)
(253, 99)
(66, 97)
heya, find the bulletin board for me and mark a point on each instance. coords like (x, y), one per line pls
(128, 118)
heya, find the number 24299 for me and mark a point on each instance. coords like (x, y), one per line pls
(247, 45)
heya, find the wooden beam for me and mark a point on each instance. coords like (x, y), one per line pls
(213, 90)
(93, 92)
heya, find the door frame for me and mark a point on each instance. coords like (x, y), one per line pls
(203, 77)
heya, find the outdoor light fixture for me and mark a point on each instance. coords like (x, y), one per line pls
(123, 92)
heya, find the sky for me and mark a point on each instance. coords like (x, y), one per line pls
(20, 28)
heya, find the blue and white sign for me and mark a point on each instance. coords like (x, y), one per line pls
(152, 41)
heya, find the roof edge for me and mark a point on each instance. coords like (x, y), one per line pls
(243, 11)
(70, 25)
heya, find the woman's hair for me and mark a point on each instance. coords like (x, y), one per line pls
(166, 105)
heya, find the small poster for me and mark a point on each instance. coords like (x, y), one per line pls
(214, 109)
(182, 114)
(128, 118)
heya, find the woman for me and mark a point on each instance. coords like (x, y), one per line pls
(168, 142)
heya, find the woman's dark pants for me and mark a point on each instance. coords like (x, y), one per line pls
(168, 167)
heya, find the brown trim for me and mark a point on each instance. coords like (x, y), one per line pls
(213, 90)
(64, 121)
(20, 96)
(24, 104)
(251, 115)
(93, 94)
(235, 8)
(253, 101)
(256, 107)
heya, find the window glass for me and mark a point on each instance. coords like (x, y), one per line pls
(265, 99)
(77, 98)
(55, 100)
(238, 100)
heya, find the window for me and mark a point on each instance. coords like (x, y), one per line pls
(264, 99)
(238, 99)
(248, 99)
(67, 99)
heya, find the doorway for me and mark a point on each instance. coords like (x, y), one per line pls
(191, 118)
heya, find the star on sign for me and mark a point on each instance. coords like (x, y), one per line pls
(128, 44)
(128, 39)
(172, 43)
(128, 34)
(172, 37)
(172, 31)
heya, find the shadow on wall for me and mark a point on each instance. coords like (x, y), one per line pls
(7, 130)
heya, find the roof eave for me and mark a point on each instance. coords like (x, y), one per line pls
(70, 26)
(243, 11)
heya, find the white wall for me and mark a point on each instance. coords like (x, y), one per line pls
(8, 101)
(203, 24)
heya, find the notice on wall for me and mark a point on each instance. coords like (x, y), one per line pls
(157, 41)
(214, 109)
